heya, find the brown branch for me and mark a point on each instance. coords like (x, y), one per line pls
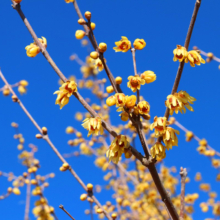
(28, 198)
(148, 162)
(195, 137)
(61, 207)
(47, 139)
(186, 45)
(183, 174)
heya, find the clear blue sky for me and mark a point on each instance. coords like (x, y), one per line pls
(163, 25)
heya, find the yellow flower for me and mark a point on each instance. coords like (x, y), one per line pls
(99, 64)
(111, 100)
(143, 107)
(123, 45)
(194, 58)
(198, 177)
(216, 163)
(117, 148)
(64, 92)
(32, 50)
(190, 198)
(205, 187)
(124, 116)
(216, 209)
(158, 150)
(189, 135)
(135, 82)
(93, 125)
(159, 125)
(120, 99)
(69, 1)
(148, 76)
(169, 138)
(180, 53)
(204, 207)
(80, 34)
(179, 101)
(139, 44)
(130, 101)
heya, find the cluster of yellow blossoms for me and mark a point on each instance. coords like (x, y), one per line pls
(33, 49)
(124, 44)
(127, 104)
(179, 101)
(64, 93)
(193, 56)
(93, 125)
(168, 135)
(118, 146)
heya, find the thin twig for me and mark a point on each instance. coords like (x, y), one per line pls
(28, 198)
(61, 207)
(195, 137)
(91, 210)
(183, 174)
(186, 45)
(47, 139)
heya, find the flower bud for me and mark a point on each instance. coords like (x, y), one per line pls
(118, 80)
(99, 211)
(111, 101)
(16, 191)
(80, 34)
(23, 83)
(38, 136)
(210, 55)
(14, 98)
(6, 92)
(44, 130)
(102, 47)
(109, 89)
(139, 44)
(17, 1)
(114, 215)
(89, 187)
(81, 21)
(88, 15)
(83, 197)
(70, 130)
(93, 26)
(94, 55)
(9, 190)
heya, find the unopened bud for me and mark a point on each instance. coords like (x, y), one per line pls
(80, 34)
(94, 55)
(102, 47)
(38, 136)
(89, 187)
(118, 80)
(88, 15)
(81, 21)
(44, 130)
(14, 98)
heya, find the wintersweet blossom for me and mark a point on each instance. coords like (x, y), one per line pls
(148, 76)
(179, 101)
(17, 1)
(93, 125)
(180, 53)
(139, 44)
(120, 99)
(118, 146)
(130, 101)
(135, 82)
(194, 57)
(69, 1)
(123, 45)
(159, 125)
(158, 150)
(64, 92)
(169, 138)
(33, 49)
(143, 107)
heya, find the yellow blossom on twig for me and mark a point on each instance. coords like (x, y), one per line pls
(169, 138)
(64, 92)
(180, 53)
(148, 76)
(123, 45)
(32, 50)
(139, 44)
(135, 82)
(159, 125)
(117, 148)
(93, 125)
(194, 58)
(158, 150)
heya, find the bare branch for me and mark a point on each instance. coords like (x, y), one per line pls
(183, 174)
(61, 207)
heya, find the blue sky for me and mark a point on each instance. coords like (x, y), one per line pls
(163, 25)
